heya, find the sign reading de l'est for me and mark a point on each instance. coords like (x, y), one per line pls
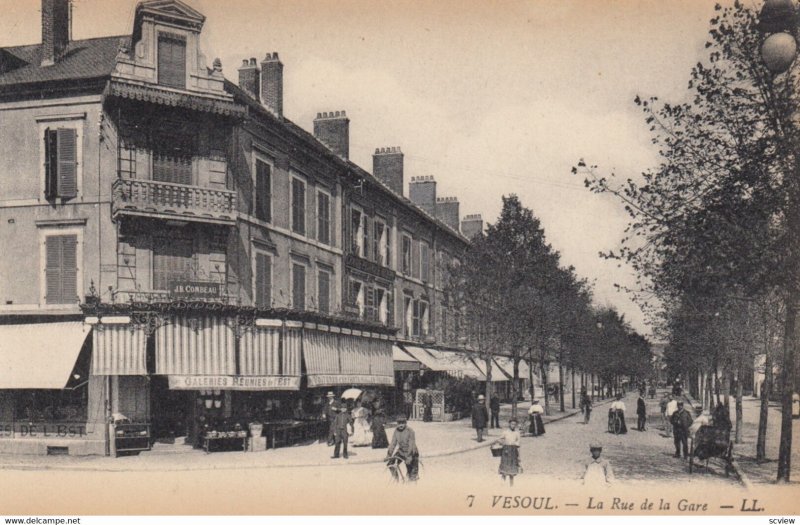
(228, 382)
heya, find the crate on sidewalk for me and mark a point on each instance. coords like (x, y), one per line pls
(257, 444)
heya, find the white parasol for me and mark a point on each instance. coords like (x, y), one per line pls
(351, 393)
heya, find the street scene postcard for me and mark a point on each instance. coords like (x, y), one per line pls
(399, 257)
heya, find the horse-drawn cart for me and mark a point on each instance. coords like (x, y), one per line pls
(711, 442)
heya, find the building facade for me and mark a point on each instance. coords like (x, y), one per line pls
(188, 253)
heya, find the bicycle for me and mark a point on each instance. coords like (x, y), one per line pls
(615, 421)
(393, 464)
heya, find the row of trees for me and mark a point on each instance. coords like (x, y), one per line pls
(715, 228)
(520, 302)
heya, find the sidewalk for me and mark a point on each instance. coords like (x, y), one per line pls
(433, 440)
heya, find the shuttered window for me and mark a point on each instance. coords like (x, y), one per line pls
(298, 286)
(61, 269)
(298, 206)
(425, 262)
(356, 237)
(263, 280)
(406, 255)
(366, 254)
(173, 150)
(172, 61)
(263, 191)
(323, 218)
(172, 261)
(415, 259)
(324, 291)
(61, 163)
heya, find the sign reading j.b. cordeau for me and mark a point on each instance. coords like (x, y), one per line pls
(222, 382)
(194, 290)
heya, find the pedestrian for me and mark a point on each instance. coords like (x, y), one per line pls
(494, 408)
(681, 422)
(379, 439)
(404, 448)
(641, 412)
(598, 471)
(509, 462)
(672, 407)
(535, 416)
(427, 404)
(586, 406)
(480, 417)
(362, 431)
(618, 410)
(329, 412)
(341, 433)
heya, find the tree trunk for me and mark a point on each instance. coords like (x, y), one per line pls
(787, 379)
(766, 391)
(530, 375)
(560, 386)
(726, 388)
(573, 389)
(488, 389)
(739, 414)
(710, 390)
(514, 387)
(544, 389)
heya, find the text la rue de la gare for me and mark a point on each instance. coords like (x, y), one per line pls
(610, 504)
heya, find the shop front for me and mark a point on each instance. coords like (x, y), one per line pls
(50, 403)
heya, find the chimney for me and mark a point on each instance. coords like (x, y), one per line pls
(333, 129)
(447, 211)
(55, 30)
(471, 226)
(387, 166)
(422, 192)
(272, 83)
(249, 77)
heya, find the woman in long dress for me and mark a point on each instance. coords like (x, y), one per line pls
(535, 416)
(362, 435)
(509, 461)
(379, 438)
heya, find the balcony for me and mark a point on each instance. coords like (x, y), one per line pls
(164, 200)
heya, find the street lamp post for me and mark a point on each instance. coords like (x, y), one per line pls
(778, 20)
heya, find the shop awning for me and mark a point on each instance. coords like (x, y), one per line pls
(336, 357)
(119, 350)
(506, 365)
(39, 356)
(403, 361)
(498, 374)
(454, 363)
(195, 346)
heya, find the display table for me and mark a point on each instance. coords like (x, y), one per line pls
(130, 437)
(224, 443)
(288, 432)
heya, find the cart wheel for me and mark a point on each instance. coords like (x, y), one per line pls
(617, 425)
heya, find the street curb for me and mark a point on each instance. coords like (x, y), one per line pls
(188, 468)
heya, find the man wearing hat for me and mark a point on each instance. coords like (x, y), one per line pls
(598, 471)
(480, 416)
(329, 414)
(404, 447)
(681, 422)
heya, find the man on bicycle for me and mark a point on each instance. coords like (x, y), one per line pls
(586, 406)
(404, 448)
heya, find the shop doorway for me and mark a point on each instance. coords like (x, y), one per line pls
(171, 411)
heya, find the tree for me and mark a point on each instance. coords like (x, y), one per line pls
(720, 217)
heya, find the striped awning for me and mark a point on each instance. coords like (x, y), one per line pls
(336, 357)
(456, 364)
(195, 346)
(505, 365)
(119, 350)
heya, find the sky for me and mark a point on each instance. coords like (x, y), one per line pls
(491, 98)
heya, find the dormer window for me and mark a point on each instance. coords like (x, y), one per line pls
(172, 60)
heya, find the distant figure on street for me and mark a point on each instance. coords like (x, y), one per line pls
(494, 408)
(535, 416)
(641, 413)
(618, 409)
(586, 406)
(341, 433)
(672, 407)
(480, 417)
(362, 432)
(404, 448)
(378, 427)
(329, 414)
(427, 406)
(598, 471)
(509, 462)
(681, 422)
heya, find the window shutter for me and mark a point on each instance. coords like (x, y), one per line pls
(263, 197)
(324, 291)
(415, 259)
(425, 262)
(369, 303)
(61, 269)
(51, 163)
(299, 287)
(298, 207)
(53, 270)
(67, 163)
(172, 62)
(263, 281)
(377, 230)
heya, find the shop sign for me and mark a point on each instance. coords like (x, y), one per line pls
(348, 379)
(223, 382)
(194, 290)
(42, 430)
